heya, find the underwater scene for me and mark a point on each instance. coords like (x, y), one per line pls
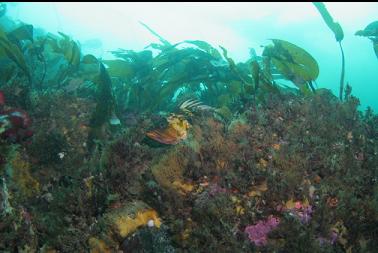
(188, 127)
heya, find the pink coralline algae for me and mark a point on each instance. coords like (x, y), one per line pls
(258, 233)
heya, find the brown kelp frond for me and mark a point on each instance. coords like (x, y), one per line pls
(293, 62)
(104, 106)
(339, 36)
(334, 26)
(164, 41)
(11, 51)
(371, 32)
(66, 46)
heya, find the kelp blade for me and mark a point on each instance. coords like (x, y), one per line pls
(334, 26)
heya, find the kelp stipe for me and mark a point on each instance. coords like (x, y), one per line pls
(339, 36)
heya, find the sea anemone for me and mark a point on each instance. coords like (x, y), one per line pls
(332, 201)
